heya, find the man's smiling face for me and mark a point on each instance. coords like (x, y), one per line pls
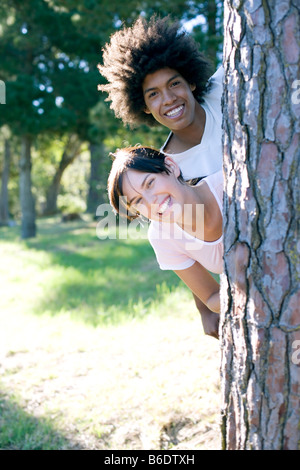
(169, 98)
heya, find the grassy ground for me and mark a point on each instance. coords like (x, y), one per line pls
(99, 349)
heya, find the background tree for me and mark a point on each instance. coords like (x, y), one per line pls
(71, 150)
(209, 32)
(260, 289)
(4, 204)
(29, 41)
(49, 52)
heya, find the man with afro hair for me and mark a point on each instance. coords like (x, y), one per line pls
(156, 75)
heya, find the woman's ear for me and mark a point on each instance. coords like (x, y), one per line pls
(192, 86)
(146, 110)
(170, 163)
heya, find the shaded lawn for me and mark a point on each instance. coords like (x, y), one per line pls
(19, 430)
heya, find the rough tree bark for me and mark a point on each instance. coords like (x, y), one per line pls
(260, 321)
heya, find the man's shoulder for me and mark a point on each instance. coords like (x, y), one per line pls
(215, 83)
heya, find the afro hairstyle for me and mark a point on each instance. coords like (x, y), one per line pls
(145, 47)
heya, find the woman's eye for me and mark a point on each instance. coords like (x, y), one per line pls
(150, 182)
(152, 94)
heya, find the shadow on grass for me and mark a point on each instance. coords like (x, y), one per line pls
(21, 431)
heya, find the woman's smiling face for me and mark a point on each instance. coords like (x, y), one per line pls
(169, 98)
(156, 196)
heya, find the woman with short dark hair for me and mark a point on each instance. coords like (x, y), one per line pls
(149, 184)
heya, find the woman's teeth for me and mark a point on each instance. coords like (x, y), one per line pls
(164, 206)
(174, 111)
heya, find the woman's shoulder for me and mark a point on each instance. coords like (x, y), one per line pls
(216, 80)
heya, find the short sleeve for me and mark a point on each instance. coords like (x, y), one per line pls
(216, 88)
(168, 253)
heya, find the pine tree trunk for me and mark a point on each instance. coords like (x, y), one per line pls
(28, 226)
(4, 206)
(260, 319)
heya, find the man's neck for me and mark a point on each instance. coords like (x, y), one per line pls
(182, 140)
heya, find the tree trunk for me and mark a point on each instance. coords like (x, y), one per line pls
(28, 226)
(96, 189)
(260, 319)
(71, 151)
(4, 205)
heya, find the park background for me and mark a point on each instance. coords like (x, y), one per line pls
(99, 349)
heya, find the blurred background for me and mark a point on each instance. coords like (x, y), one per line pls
(56, 128)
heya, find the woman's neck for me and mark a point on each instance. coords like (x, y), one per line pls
(202, 217)
(193, 211)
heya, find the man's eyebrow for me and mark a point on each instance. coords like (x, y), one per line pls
(142, 185)
(168, 81)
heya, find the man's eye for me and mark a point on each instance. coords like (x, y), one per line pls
(177, 82)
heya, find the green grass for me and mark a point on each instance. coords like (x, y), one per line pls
(99, 349)
(21, 431)
(67, 269)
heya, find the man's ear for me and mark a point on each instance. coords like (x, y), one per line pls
(192, 86)
(170, 163)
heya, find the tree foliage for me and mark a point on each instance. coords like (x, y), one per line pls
(49, 51)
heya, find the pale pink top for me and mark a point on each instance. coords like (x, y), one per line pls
(176, 249)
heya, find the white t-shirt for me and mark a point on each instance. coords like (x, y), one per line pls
(207, 157)
(176, 249)
(202, 160)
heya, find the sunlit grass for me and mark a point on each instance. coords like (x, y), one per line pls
(99, 348)
(69, 270)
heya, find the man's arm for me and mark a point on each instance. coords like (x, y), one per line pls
(210, 320)
(206, 294)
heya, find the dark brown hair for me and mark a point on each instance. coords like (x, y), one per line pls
(144, 48)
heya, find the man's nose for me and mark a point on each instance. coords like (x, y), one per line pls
(168, 97)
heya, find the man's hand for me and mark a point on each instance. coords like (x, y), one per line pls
(210, 320)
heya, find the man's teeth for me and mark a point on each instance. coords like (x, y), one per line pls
(175, 111)
(164, 206)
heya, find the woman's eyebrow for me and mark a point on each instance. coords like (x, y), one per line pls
(142, 185)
